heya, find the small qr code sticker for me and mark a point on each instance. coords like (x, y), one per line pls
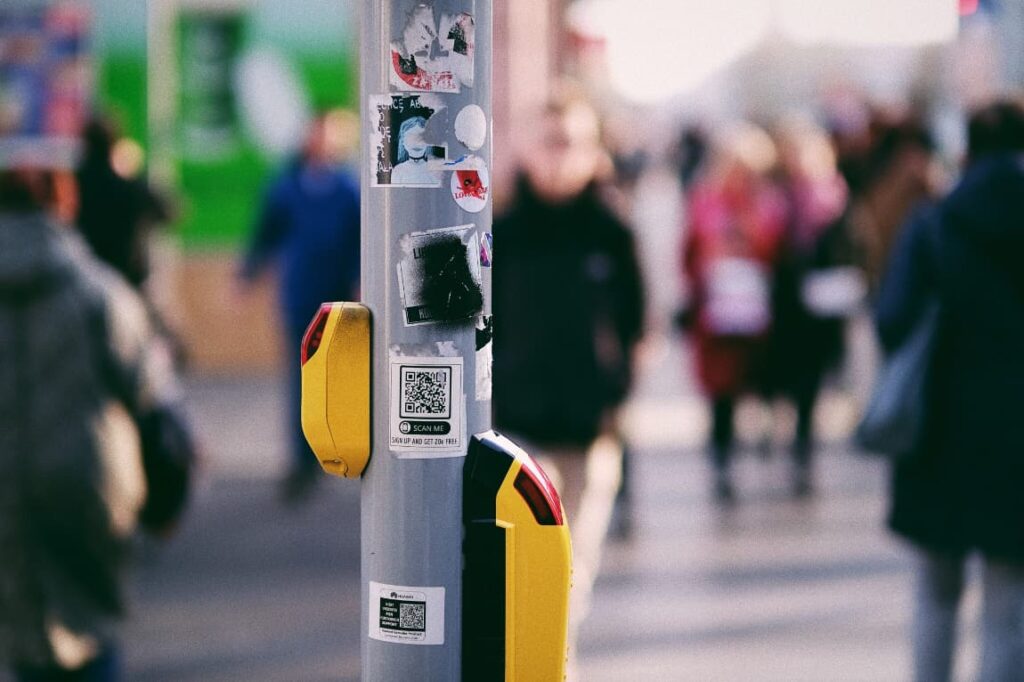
(406, 615)
(427, 406)
(426, 392)
(412, 617)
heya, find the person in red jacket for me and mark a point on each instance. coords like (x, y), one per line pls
(736, 223)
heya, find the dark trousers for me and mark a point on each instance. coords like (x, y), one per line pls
(723, 428)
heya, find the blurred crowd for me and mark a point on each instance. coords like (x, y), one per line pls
(787, 231)
(790, 232)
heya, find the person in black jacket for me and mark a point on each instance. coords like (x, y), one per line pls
(115, 214)
(568, 311)
(960, 492)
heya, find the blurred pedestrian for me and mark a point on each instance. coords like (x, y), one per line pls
(569, 309)
(77, 362)
(736, 221)
(115, 213)
(807, 335)
(690, 153)
(959, 492)
(309, 229)
(899, 172)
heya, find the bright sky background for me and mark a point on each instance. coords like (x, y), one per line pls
(660, 48)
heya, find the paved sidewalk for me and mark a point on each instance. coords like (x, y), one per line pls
(772, 590)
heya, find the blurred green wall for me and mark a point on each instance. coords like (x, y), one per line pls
(220, 194)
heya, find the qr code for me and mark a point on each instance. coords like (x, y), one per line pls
(412, 616)
(426, 392)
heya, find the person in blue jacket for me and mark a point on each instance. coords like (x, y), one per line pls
(959, 493)
(309, 229)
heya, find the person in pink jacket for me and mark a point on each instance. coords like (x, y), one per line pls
(735, 227)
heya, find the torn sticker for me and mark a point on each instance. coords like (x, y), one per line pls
(471, 127)
(402, 155)
(487, 250)
(458, 37)
(484, 357)
(439, 278)
(471, 188)
(427, 406)
(428, 55)
(406, 615)
(464, 162)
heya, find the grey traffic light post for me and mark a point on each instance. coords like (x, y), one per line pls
(466, 557)
(426, 224)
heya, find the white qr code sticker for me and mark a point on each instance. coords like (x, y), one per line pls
(406, 615)
(427, 402)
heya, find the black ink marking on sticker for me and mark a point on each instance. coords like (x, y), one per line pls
(450, 292)
(484, 331)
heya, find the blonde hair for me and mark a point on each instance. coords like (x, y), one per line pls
(747, 145)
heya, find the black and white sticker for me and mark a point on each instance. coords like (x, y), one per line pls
(484, 357)
(427, 404)
(406, 615)
(439, 278)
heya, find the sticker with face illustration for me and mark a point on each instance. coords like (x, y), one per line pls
(402, 155)
(431, 53)
(471, 188)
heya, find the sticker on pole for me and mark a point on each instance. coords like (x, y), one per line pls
(426, 407)
(471, 188)
(439, 278)
(486, 250)
(402, 153)
(406, 615)
(471, 127)
(484, 357)
(431, 52)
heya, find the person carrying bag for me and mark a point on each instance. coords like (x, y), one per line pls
(895, 419)
(78, 360)
(951, 315)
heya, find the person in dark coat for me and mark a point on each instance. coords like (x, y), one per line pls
(568, 314)
(960, 493)
(805, 344)
(78, 359)
(115, 213)
(569, 311)
(309, 229)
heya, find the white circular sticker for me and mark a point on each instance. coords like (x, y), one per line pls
(471, 127)
(471, 188)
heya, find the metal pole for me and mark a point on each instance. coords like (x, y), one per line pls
(428, 296)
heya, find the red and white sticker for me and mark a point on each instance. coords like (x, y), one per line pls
(471, 188)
